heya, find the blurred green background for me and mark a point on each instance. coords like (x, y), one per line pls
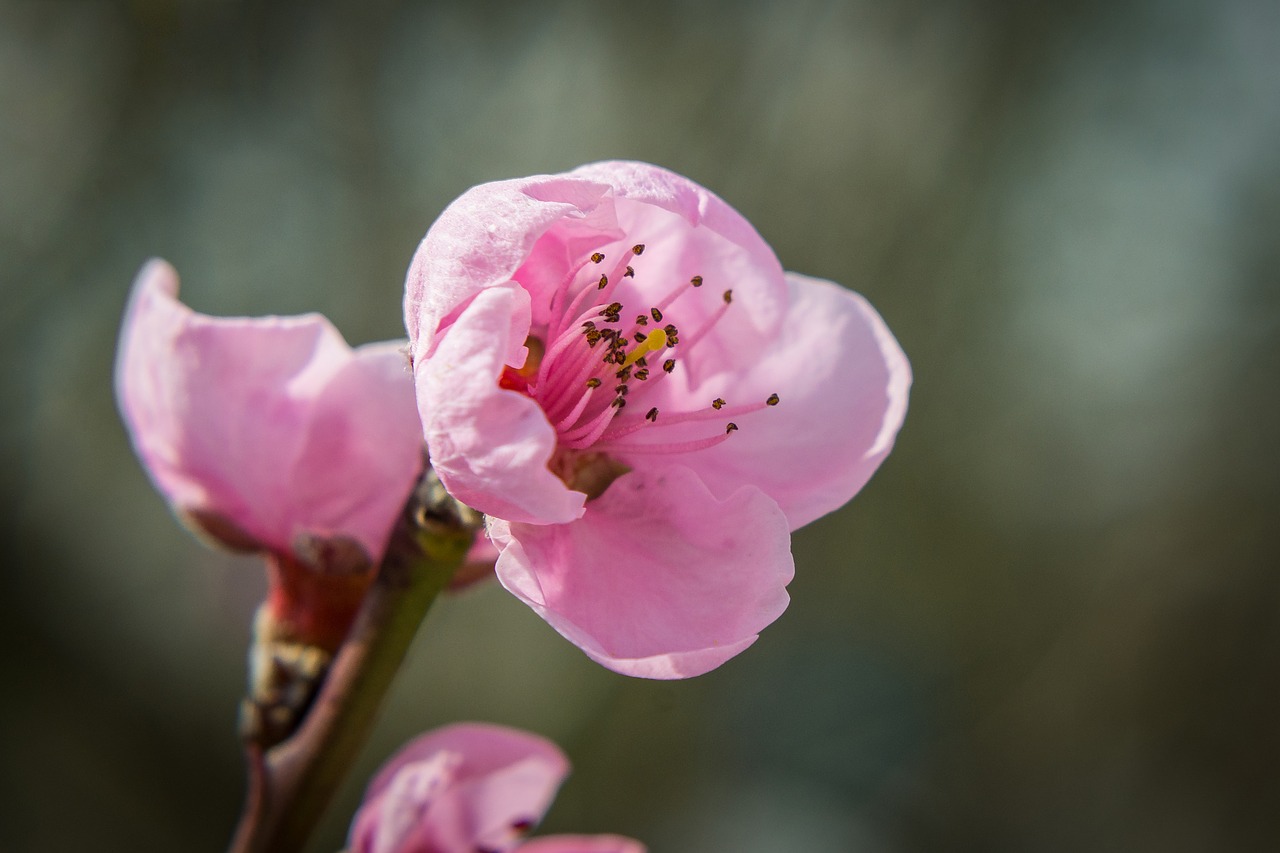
(1050, 623)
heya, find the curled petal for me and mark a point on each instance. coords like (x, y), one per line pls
(464, 787)
(271, 425)
(659, 578)
(489, 445)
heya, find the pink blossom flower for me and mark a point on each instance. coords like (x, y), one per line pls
(469, 788)
(613, 366)
(270, 433)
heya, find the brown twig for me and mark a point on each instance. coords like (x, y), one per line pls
(291, 783)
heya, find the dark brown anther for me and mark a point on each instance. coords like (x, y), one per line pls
(624, 374)
(773, 400)
(604, 282)
(651, 415)
(673, 340)
(642, 375)
(671, 329)
(611, 308)
(669, 365)
(640, 362)
(730, 427)
(657, 315)
(630, 273)
(728, 297)
(621, 390)
(640, 337)
(618, 403)
(717, 403)
(696, 281)
(593, 382)
(642, 320)
(638, 248)
(597, 257)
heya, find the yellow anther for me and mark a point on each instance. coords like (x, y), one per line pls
(657, 340)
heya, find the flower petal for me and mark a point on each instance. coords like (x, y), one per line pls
(843, 383)
(582, 844)
(270, 423)
(478, 242)
(659, 578)
(489, 445)
(463, 787)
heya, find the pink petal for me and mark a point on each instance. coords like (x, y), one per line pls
(478, 242)
(459, 788)
(582, 844)
(489, 445)
(272, 424)
(659, 578)
(842, 380)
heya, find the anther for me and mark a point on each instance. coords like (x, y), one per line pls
(642, 375)
(621, 390)
(728, 297)
(669, 365)
(611, 308)
(639, 336)
(630, 273)
(604, 282)
(729, 427)
(593, 382)
(638, 248)
(597, 257)
(642, 320)
(652, 414)
(717, 403)
(671, 329)
(773, 400)
(657, 316)
(618, 403)
(624, 374)
(696, 281)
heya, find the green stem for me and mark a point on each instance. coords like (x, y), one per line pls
(291, 783)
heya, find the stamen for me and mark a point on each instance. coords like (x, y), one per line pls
(717, 403)
(773, 400)
(730, 427)
(630, 273)
(657, 315)
(597, 257)
(728, 297)
(669, 365)
(673, 447)
(652, 414)
(604, 282)
(696, 281)
(638, 248)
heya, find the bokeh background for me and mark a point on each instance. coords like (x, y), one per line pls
(1050, 623)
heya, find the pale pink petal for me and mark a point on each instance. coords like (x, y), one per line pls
(479, 242)
(659, 578)
(459, 788)
(582, 844)
(489, 445)
(842, 382)
(272, 424)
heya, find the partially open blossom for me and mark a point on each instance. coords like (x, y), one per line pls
(469, 788)
(271, 434)
(613, 366)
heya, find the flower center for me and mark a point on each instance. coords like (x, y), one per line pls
(598, 356)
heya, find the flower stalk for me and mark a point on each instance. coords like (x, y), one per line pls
(291, 782)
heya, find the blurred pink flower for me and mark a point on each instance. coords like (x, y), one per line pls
(269, 433)
(469, 788)
(613, 366)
